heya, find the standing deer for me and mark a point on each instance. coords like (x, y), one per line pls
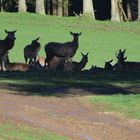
(66, 50)
(6, 44)
(76, 66)
(15, 66)
(123, 65)
(31, 51)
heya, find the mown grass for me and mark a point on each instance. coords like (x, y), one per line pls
(12, 131)
(100, 39)
(128, 105)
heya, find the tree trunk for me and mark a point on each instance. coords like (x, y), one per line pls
(40, 8)
(48, 11)
(54, 7)
(1, 5)
(65, 7)
(88, 7)
(59, 8)
(129, 12)
(138, 9)
(22, 6)
(114, 11)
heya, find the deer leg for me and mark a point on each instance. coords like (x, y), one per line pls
(34, 60)
(26, 59)
(1, 66)
(30, 61)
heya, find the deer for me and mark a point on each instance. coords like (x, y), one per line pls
(66, 50)
(6, 44)
(8, 66)
(107, 67)
(76, 66)
(123, 65)
(31, 51)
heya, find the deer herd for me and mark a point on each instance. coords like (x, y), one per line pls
(58, 57)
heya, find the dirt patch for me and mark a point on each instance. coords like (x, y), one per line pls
(69, 117)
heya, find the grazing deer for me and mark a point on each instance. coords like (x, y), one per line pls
(15, 66)
(31, 51)
(123, 65)
(76, 66)
(66, 50)
(6, 44)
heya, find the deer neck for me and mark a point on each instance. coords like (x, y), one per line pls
(75, 42)
(9, 42)
(82, 64)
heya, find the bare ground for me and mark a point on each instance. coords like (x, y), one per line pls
(68, 116)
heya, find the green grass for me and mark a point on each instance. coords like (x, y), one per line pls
(100, 39)
(128, 105)
(10, 131)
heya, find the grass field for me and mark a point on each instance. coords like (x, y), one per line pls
(10, 131)
(100, 39)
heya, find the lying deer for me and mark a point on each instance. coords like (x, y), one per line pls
(6, 44)
(107, 67)
(123, 65)
(31, 51)
(66, 50)
(15, 66)
(76, 66)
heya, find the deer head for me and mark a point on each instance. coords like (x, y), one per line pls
(35, 42)
(121, 56)
(108, 65)
(85, 57)
(11, 34)
(75, 35)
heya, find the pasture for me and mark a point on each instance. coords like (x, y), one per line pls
(99, 92)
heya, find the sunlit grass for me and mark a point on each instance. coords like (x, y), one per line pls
(128, 105)
(100, 39)
(12, 131)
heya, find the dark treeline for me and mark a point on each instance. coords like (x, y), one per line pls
(128, 9)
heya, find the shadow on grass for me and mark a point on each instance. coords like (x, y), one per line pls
(70, 84)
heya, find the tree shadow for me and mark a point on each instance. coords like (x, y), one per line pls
(70, 84)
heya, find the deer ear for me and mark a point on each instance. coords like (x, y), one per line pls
(124, 51)
(87, 54)
(71, 33)
(15, 31)
(120, 51)
(125, 58)
(37, 39)
(111, 60)
(82, 54)
(80, 33)
(6, 31)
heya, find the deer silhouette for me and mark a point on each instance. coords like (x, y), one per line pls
(124, 65)
(8, 66)
(66, 50)
(31, 51)
(75, 66)
(6, 44)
